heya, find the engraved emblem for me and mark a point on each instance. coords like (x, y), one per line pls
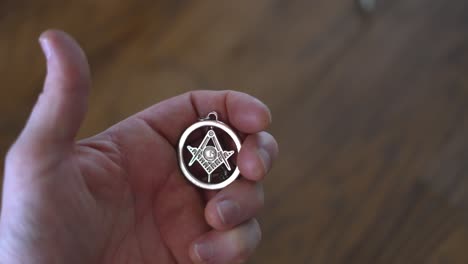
(210, 157)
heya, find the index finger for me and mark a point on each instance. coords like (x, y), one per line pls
(242, 111)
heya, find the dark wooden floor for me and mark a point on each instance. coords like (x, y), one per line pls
(371, 111)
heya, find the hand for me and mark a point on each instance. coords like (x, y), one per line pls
(119, 197)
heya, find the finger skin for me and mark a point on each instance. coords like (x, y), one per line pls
(257, 155)
(61, 107)
(234, 204)
(232, 246)
(242, 111)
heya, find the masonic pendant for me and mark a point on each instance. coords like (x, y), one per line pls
(207, 153)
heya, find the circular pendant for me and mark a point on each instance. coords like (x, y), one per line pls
(207, 153)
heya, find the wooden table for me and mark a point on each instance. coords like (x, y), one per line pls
(370, 110)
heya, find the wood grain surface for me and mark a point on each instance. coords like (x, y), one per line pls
(370, 110)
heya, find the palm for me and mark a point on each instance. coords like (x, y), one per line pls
(151, 211)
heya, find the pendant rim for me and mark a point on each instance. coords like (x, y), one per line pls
(183, 166)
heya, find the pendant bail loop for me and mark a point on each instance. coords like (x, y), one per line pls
(213, 115)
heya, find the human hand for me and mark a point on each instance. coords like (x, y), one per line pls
(119, 197)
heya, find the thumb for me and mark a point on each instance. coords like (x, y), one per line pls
(60, 109)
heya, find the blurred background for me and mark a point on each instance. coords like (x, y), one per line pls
(369, 102)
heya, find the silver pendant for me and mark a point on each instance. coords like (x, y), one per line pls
(207, 153)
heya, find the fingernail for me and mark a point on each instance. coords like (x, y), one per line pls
(265, 158)
(204, 251)
(46, 47)
(260, 192)
(229, 211)
(270, 116)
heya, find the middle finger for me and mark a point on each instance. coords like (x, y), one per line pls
(235, 204)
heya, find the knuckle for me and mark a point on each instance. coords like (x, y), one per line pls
(25, 158)
(14, 153)
(21, 151)
(268, 141)
(15, 160)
